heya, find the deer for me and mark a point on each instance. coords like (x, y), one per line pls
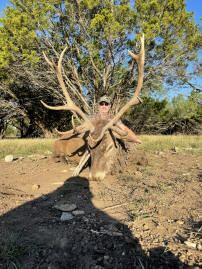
(71, 149)
(102, 139)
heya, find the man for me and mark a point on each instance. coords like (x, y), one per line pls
(104, 106)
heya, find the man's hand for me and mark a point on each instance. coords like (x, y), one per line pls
(130, 135)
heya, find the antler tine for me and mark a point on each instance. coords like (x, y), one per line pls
(78, 130)
(140, 62)
(60, 59)
(70, 104)
(52, 64)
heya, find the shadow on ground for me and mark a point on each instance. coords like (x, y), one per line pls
(93, 240)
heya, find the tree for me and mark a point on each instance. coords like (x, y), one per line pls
(181, 115)
(185, 114)
(25, 79)
(97, 35)
(150, 118)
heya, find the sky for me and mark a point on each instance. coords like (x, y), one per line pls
(192, 5)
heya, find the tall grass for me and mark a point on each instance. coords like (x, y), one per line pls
(188, 143)
(151, 143)
(25, 147)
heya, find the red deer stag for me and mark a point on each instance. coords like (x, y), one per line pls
(103, 139)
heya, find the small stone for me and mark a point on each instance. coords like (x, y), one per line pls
(35, 187)
(66, 216)
(9, 158)
(85, 219)
(42, 157)
(48, 152)
(65, 207)
(190, 244)
(78, 212)
(99, 267)
(176, 149)
(180, 222)
(138, 174)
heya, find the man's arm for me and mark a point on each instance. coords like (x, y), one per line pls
(130, 134)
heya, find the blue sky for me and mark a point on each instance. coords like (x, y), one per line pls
(192, 5)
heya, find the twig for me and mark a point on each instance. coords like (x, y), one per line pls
(141, 264)
(107, 232)
(114, 206)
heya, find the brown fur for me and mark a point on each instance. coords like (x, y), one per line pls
(70, 149)
(111, 153)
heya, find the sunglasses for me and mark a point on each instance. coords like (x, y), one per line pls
(104, 104)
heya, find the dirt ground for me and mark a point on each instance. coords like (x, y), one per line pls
(146, 217)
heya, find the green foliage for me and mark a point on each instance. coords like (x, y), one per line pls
(172, 38)
(186, 108)
(97, 35)
(12, 249)
(17, 36)
(162, 117)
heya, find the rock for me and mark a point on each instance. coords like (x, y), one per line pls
(159, 153)
(176, 149)
(9, 158)
(180, 222)
(66, 216)
(99, 267)
(190, 244)
(65, 207)
(42, 157)
(48, 152)
(138, 174)
(85, 219)
(35, 187)
(78, 212)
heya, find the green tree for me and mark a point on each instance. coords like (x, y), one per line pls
(185, 114)
(97, 35)
(181, 115)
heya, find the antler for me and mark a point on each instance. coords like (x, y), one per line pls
(140, 62)
(70, 104)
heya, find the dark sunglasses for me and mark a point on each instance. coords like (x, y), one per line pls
(104, 104)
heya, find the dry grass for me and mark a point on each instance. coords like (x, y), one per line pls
(25, 147)
(188, 143)
(151, 143)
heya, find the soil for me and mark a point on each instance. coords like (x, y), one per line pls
(147, 217)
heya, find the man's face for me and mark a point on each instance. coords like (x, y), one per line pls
(104, 107)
